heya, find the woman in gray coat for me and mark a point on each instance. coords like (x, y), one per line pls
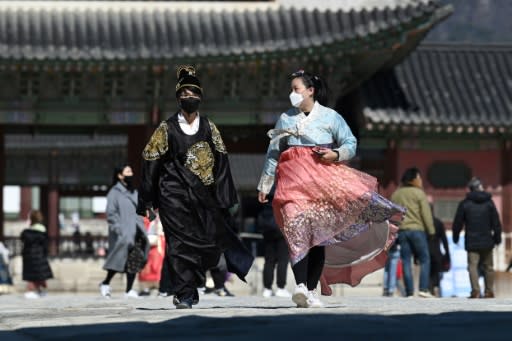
(123, 226)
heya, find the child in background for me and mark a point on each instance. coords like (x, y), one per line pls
(149, 277)
(36, 268)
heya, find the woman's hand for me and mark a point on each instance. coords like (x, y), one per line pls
(262, 197)
(326, 154)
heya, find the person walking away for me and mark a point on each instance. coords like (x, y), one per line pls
(276, 252)
(124, 225)
(415, 230)
(478, 215)
(438, 259)
(186, 176)
(36, 268)
(319, 201)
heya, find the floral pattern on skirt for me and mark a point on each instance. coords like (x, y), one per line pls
(318, 203)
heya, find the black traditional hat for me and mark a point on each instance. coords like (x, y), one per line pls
(187, 78)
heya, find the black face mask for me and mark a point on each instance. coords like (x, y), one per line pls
(128, 180)
(190, 104)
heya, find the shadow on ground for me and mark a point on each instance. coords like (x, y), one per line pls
(447, 326)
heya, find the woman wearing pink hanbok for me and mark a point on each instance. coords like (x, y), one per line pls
(329, 213)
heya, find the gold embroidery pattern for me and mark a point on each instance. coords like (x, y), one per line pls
(158, 144)
(199, 160)
(217, 139)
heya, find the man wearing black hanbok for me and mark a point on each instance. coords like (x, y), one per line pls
(186, 176)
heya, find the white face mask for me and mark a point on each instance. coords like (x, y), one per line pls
(296, 99)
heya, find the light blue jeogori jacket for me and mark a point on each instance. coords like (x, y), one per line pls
(323, 126)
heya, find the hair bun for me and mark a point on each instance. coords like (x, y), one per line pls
(185, 70)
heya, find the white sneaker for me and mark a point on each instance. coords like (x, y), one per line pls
(31, 295)
(267, 293)
(425, 294)
(300, 296)
(105, 290)
(201, 290)
(313, 300)
(131, 294)
(283, 293)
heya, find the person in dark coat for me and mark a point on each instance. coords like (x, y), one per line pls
(186, 175)
(479, 216)
(36, 268)
(437, 258)
(276, 252)
(124, 227)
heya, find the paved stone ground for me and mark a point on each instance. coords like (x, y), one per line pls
(88, 317)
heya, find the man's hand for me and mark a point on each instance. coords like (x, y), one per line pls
(150, 214)
(233, 209)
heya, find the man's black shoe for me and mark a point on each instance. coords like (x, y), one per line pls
(185, 303)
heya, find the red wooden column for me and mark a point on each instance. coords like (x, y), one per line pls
(506, 181)
(50, 210)
(53, 219)
(391, 176)
(138, 137)
(2, 180)
(25, 202)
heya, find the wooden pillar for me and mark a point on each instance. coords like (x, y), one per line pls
(138, 136)
(53, 220)
(506, 181)
(50, 210)
(2, 180)
(391, 176)
(25, 202)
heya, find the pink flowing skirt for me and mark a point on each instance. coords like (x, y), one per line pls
(333, 205)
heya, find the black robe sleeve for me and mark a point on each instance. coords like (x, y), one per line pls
(155, 150)
(225, 190)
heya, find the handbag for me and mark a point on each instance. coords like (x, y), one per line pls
(446, 263)
(136, 259)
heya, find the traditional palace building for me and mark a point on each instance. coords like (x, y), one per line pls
(83, 84)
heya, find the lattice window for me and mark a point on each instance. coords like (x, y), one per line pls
(9, 85)
(449, 174)
(134, 85)
(231, 81)
(213, 81)
(266, 79)
(92, 86)
(29, 84)
(50, 85)
(113, 84)
(71, 84)
(249, 81)
(151, 85)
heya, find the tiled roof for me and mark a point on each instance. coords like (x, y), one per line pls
(457, 87)
(115, 31)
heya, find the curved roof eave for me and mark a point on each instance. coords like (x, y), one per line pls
(142, 33)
